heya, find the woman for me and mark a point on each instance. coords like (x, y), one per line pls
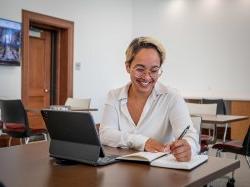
(144, 114)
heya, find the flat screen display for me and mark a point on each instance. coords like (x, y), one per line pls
(10, 42)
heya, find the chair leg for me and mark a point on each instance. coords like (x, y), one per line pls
(27, 140)
(236, 156)
(9, 143)
(248, 161)
(218, 153)
(45, 137)
(231, 181)
(214, 139)
(225, 133)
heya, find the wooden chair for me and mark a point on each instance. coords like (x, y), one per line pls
(196, 109)
(221, 109)
(15, 121)
(197, 125)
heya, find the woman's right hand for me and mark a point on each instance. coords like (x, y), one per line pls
(152, 145)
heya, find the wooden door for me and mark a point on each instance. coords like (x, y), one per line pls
(36, 65)
(38, 76)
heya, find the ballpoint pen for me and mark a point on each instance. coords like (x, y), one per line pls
(180, 137)
(184, 132)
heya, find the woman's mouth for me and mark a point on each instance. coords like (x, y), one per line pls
(143, 83)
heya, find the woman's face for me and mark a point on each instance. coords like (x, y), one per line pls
(144, 70)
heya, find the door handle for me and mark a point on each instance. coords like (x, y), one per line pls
(46, 90)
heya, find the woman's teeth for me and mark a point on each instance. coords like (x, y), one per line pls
(144, 83)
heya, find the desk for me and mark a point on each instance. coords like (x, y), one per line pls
(30, 165)
(36, 120)
(221, 119)
(39, 110)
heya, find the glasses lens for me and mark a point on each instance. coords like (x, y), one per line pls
(153, 73)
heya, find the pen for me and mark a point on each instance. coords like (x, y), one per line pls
(184, 132)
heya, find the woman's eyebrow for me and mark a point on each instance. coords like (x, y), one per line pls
(140, 65)
(155, 67)
(143, 66)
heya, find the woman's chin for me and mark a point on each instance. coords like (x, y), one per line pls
(144, 89)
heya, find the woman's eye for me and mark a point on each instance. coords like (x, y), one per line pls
(140, 70)
(154, 71)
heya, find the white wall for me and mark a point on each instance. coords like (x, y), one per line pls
(103, 30)
(208, 44)
(207, 41)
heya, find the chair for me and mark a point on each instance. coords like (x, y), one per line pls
(77, 103)
(196, 109)
(236, 147)
(221, 109)
(197, 125)
(1, 124)
(1, 128)
(15, 121)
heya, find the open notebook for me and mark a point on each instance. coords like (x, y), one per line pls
(165, 160)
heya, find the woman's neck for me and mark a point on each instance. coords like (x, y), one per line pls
(133, 93)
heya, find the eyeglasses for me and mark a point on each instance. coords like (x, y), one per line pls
(154, 73)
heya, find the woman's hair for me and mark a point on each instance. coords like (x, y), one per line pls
(141, 43)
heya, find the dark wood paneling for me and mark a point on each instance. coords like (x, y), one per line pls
(239, 129)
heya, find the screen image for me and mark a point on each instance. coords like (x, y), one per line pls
(10, 42)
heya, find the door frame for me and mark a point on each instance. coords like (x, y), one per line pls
(64, 52)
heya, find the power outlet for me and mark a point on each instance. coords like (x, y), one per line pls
(78, 66)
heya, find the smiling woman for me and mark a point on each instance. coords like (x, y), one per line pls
(144, 114)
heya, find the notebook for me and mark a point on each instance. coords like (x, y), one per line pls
(74, 137)
(169, 161)
(142, 156)
(164, 160)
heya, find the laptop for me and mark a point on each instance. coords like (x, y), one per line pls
(74, 137)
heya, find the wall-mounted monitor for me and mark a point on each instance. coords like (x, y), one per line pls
(10, 42)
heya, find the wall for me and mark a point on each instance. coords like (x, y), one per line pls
(207, 41)
(103, 30)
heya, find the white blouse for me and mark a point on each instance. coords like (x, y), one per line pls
(164, 117)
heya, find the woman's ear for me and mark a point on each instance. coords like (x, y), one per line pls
(127, 67)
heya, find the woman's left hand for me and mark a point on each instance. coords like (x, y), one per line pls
(181, 150)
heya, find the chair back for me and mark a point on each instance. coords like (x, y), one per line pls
(77, 103)
(199, 109)
(246, 142)
(14, 118)
(221, 108)
(197, 124)
(12, 111)
(1, 126)
(196, 108)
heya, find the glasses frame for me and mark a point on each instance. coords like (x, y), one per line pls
(145, 72)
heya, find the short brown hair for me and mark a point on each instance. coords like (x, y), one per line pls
(144, 42)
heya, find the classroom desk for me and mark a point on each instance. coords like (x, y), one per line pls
(221, 119)
(32, 110)
(30, 165)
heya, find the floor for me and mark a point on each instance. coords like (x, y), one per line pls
(242, 175)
